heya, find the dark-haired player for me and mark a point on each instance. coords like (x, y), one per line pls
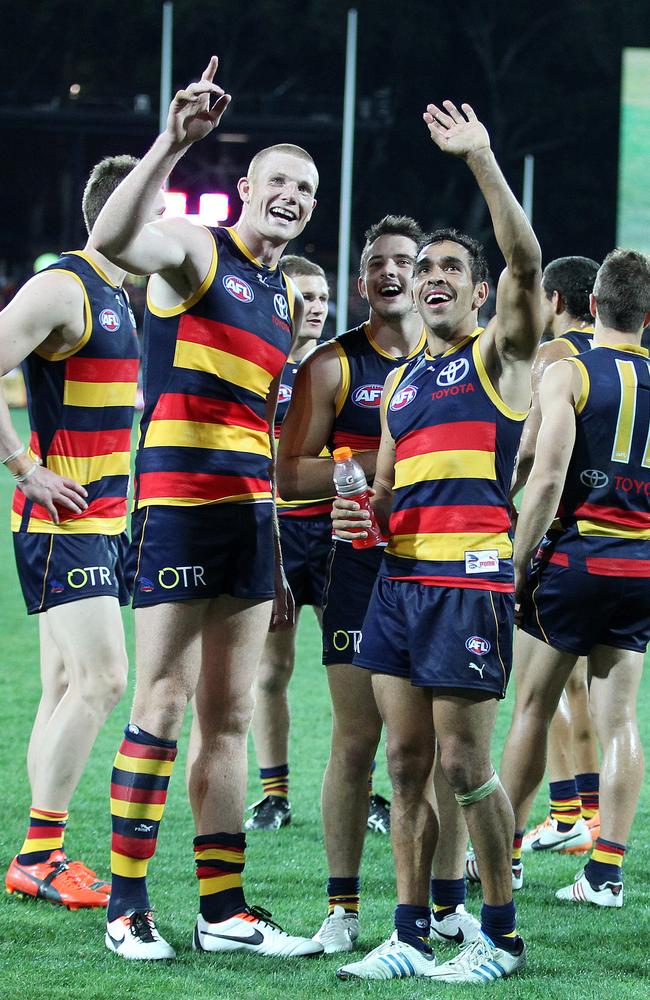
(588, 590)
(73, 328)
(219, 324)
(306, 540)
(438, 633)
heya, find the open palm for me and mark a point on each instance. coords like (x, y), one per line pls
(456, 132)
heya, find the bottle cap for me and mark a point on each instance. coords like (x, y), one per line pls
(342, 454)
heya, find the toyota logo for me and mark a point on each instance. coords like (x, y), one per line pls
(454, 371)
(594, 479)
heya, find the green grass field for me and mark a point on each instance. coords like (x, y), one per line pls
(50, 953)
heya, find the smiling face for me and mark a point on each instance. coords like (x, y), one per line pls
(445, 293)
(387, 279)
(278, 196)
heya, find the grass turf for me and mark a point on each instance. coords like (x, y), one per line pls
(47, 952)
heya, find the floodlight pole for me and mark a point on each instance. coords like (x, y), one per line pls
(347, 161)
(166, 62)
(529, 177)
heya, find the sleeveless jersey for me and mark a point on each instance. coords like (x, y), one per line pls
(605, 507)
(456, 443)
(364, 369)
(295, 508)
(208, 368)
(578, 340)
(81, 409)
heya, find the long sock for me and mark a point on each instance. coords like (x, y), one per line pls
(413, 926)
(605, 863)
(446, 895)
(516, 848)
(44, 835)
(371, 774)
(588, 786)
(499, 923)
(275, 781)
(141, 772)
(344, 892)
(219, 859)
(565, 803)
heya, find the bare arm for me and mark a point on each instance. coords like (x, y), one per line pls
(546, 355)
(123, 231)
(559, 390)
(49, 310)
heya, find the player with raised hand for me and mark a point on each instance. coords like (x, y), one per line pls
(207, 567)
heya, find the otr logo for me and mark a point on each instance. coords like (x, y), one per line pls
(453, 372)
(78, 577)
(170, 576)
(341, 640)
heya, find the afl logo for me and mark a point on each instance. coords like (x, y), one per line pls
(478, 645)
(453, 372)
(238, 288)
(284, 393)
(403, 397)
(367, 396)
(281, 307)
(594, 479)
(109, 320)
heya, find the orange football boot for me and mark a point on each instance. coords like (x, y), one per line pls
(85, 875)
(53, 881)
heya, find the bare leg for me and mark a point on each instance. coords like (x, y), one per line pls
(541, 674)
(449, 855)
(90, 641)
(54, 685)
(410, 748)
(561, 765)
(585, 747)
(356, 728)
(616, 675)
(271, 718)
(234, 632)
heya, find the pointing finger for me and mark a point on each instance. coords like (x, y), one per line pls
(210, 69)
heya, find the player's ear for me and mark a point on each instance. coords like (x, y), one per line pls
(559, 305)
(244, 189)
(593, 305)
(361, 286)
(481, 292)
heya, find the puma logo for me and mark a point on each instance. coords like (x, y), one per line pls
(475, 666)
(144, 828)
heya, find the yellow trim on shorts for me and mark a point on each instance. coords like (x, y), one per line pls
(47, 566)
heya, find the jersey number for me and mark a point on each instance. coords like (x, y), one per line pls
(626, 415)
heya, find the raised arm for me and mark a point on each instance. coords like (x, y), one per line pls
(519, 321)
(123, 232)
(48, 309)
(559, 390)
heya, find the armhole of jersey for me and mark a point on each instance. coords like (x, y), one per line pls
(584, 391)
(88, 325)
(291, 296)
(91, 263)
(196, 296)
(397, 378)
(489, 389)
(564, 340)
(344, 388)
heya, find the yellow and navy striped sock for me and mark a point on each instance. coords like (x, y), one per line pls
(44, 835)
(605, 863)
(565, 803)
(344, 892)
(141, 771)
(588, 786)
(275, 781)
(219, 859)
(517, 841)
(446, 895)
(499, 923)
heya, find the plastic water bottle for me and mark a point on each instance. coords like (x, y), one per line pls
(351, 484)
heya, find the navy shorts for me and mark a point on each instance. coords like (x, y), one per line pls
(306, 544)
(190, 553)
(351, 575)
(59, 569)
(575, 611)
(439, 637)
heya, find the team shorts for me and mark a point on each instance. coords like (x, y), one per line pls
(575, 611)
(351, 575)
(306, 544)
(59, 569)
(439, 637)
(199, 552)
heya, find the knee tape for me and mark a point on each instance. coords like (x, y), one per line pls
(476, 794)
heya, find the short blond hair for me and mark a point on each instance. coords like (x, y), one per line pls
(283, 147)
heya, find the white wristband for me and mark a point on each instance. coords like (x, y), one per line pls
(14, 454)
(25, 475)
